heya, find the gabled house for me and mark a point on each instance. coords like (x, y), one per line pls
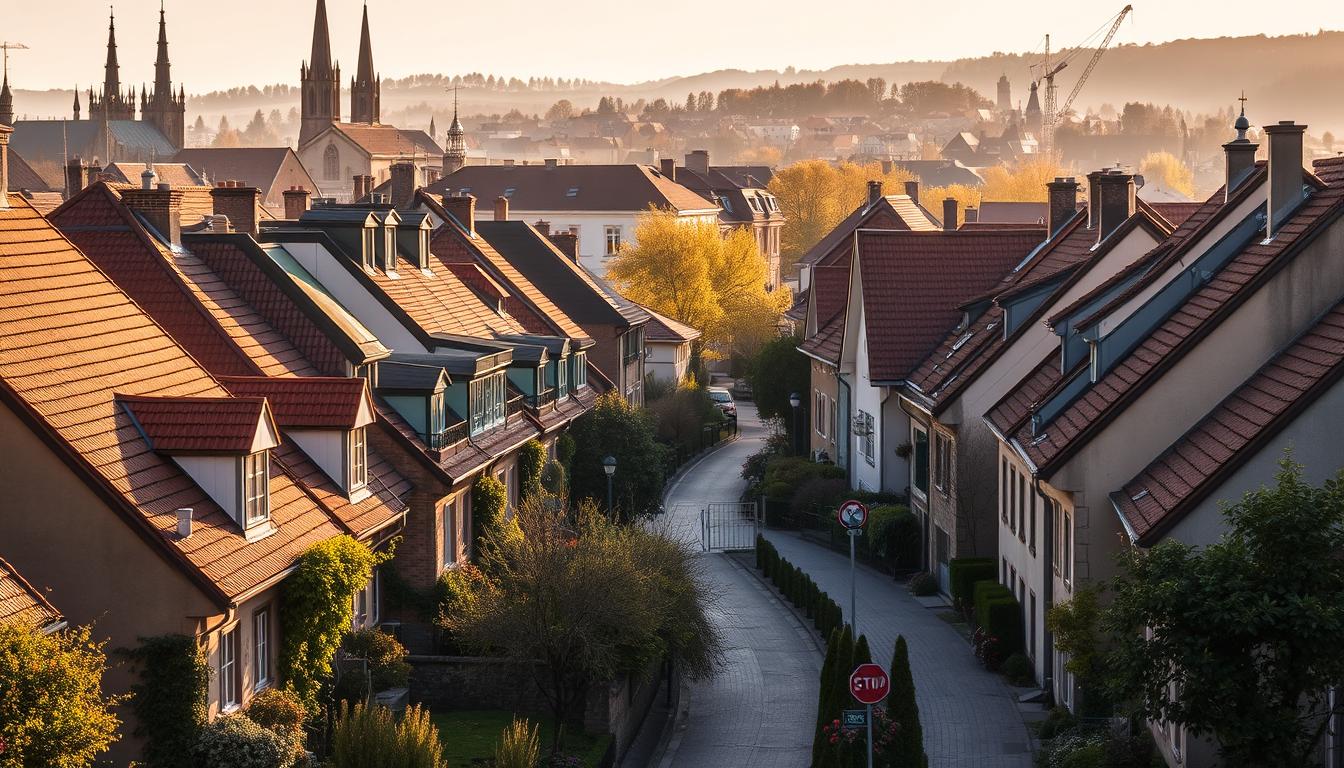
(668, 345)
(270, 169)
(347, 160)
(1143, 360)
(21, 603)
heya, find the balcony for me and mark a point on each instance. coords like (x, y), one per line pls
(537, 402)
(437, 441)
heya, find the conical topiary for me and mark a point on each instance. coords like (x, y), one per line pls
(856, 756)
(823, 697)
(908, 750)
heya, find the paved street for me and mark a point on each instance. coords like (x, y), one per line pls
(760, 710)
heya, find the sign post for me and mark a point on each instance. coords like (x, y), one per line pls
(869, 684)
(853, 515)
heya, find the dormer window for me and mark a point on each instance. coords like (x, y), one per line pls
(358, 460)
(487, 395)
(256, 495)
(368, 247)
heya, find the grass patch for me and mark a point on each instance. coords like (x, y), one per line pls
(469, 736)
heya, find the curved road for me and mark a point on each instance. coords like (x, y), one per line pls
(760, 710)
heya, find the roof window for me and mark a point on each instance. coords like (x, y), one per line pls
(573, 192)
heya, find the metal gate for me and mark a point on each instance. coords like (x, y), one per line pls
(729, 525)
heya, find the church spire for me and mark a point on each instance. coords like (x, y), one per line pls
(320, 83)
(6, 100)
(163, 81)
(319, 63)
(455, 154)
(365, 71)
(364, 89)
(76, 102)
(112, 73)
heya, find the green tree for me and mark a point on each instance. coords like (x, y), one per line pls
(779, 371)
(908, 750)
(52, 709)
(825, 697)
(531, 459)
(614, 428)
(1239, 640)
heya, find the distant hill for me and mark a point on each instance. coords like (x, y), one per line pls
(1292, 77)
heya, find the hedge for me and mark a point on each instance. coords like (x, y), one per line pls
(998, 613)
(984, 591)
(799, 588)
(963, 573)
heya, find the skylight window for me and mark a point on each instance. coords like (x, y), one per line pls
(962, 341)
(508, 192)
(573, 192)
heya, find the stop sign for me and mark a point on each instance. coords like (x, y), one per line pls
(869, 684)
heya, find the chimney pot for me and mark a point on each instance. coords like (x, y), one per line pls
(463, 208)
(1116, 200)
(912, 191)
(544, 227)
(501, 208)
(950, 214)
(184, 515)
(1063, 194)
(241, 204)
(162, 208)
(296, 202)
(874, 191)
(147, 179)
(668, 166)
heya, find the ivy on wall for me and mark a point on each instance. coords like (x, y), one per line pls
(169, 700)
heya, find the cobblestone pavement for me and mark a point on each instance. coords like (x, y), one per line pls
(969, 716)
(761, 708)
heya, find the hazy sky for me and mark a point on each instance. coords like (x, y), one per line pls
(222, 43)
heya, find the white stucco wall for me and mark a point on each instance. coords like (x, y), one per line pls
(667, 361)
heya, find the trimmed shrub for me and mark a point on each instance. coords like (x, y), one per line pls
(908, 745)
(279, 710)
(962, 575)
(234, 741)
(531, 459)
(893, 535)
(983, 592)
(1017, 668)
(924, 584)
(1003, 620)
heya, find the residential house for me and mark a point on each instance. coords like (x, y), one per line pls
(744, 202)
(1147, 356)
(21, 603)
(271, 169)
(599, 203)
(42, 194)
(347, 160)
(668, 345)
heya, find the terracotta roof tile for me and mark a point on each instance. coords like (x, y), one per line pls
(1014, 408)
(663, 328)
(389, 140)
(897, 212)
(20, 603)
(827, 343)
(313, 402)
(627, 187)
(197, 424)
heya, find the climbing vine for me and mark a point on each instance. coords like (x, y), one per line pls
(169, 700)
(531, 459)
(316, 610)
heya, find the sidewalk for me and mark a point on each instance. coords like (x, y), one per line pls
(969, 715)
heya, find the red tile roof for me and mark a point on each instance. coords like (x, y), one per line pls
(830, 290)
(828, 342)
(312, 402)
(663, 328)
(914, 283)
(1193, 467)
(624, 187)
(389, 140)
(20, 603)
(1012, 411)
(891, 212)
(1181, 331)
(69, 340)
(198, 424)
(373, 513)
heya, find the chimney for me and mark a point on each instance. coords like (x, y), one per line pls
(887, 165)
(874, 191)
(912, 191)
(698, 161)
(1063, 202)
(76, 175)
(501, 208)
(5, 130)
(184, 522)
(568, 244)
(463, 208)
(1115, 190)
(668, 166)
(1239, 155)
(1285, 172)
(368, 185)
(240, 203)
(552, 162)
(403, 183)
(359, 190)
(147, 178)
(296, 202)
(161, 207)
(544, 227)
(949, 214)
(971, 216)
(1094, 198)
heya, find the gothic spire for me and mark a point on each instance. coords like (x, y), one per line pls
(112, 74)
(320, 62)
(163, 81)
(6, 100)
(365, 98)
(364, 73)
(76, 102)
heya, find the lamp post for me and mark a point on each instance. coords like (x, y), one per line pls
(795, 401)
(609, 466)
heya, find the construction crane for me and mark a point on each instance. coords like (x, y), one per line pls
(1052, 110)
(7, 47)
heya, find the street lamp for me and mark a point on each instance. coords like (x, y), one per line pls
(609, 466)
(795, 401)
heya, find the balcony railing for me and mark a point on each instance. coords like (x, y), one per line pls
(437, 441)
(537, 402)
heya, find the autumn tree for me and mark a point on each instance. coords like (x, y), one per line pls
(52, 709)
(1166, 171)
(1021, 182)
(965, 195)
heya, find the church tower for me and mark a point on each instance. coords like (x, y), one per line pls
(1005, 101)
(6, 98)
(455, 155)
(1033, 115)
(112, 104)
(162, 108)
(320, 83)
(365, 90)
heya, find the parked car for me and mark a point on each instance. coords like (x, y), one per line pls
(723, 400)
(742, 390)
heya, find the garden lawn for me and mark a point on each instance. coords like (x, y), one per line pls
(469, 737)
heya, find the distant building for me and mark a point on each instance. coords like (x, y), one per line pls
(668, 345)
(1005, 102)
(270, 169)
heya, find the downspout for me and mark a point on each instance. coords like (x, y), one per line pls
(924, 560)
(1047, 592)
(847, 421)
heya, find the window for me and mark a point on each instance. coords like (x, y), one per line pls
(866, 438)
(376, 595)
(1012, 498)
(942, 462)
(1003, 490)
(261, 644)
(448, 524)
(580, 363)
(835, 414)
(820, 414)
(331, 163)
(1031, 648)
(1055, 535)
(1066, 556)
(921, 464)
(562, 378)
(1022, 507)
(486, 396)
(360, 619)
(613, 240)
(1032, 524)
(256, 489)
(228, 670)
(359, 459)
(368, 241)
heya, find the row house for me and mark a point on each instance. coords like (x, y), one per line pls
(136, 453)
(1176, 383)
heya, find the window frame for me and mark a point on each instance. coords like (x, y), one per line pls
(254, 489)
(942, 456)
(357, 447)
(915, 453)
(611, 234)
(331, 163)
(262, 648)
(448, 523)
(230, 688)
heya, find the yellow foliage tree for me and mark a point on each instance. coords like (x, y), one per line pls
(1021, 182)
(815, 196)
(694, 275)
(965, 195)
(1167, 171)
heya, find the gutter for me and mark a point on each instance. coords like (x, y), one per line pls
(1047, 594)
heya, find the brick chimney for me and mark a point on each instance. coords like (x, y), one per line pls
(544, 227)
(161, 207)
(5, 131)
(368, 185)
(874, 191)
(568, 244)
(698, 162)
(1093, 198)
(949, 214)
(240, 203)
(77, 175)
(668, 167)
(1285, 172)
(1115, 190)
(912, 191)
(1063, 202)
(296, 202)
(403, 183)
(463, 208)
(971, 215)
(501, 208)
(359, 190)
